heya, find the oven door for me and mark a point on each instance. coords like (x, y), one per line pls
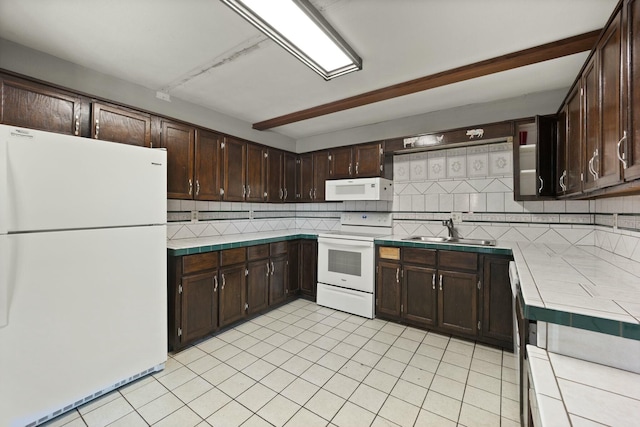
(346, 263)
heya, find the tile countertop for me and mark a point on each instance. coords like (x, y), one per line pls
(580, 286)
(568, 391)
(215, 243)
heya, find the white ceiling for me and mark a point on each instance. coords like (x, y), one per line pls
(202, 52)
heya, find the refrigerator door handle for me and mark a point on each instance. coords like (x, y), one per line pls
(6, 279)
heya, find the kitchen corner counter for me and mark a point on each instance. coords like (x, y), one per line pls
(565, 391)
(215, 243)
(579, 286)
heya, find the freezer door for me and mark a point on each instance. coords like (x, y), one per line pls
(58, 182)
(87, 309)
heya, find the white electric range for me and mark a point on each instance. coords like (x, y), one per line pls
(346, 262)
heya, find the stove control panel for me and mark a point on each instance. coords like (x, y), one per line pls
(377, 219)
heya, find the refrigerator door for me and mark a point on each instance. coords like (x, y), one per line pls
(88, 310)
(58, 182)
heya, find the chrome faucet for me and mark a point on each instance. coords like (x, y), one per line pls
(449, 224)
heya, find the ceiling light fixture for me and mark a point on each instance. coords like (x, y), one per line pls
(299, 28)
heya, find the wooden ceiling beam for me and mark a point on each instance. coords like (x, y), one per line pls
(521, 58)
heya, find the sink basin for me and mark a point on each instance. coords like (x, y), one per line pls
(456, 240)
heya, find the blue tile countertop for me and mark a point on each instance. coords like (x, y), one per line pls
(579, 286)
(216, 243)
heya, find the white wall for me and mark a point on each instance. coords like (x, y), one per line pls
(529, 105)
(33, 63)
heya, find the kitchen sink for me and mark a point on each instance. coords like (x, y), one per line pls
(456, 240)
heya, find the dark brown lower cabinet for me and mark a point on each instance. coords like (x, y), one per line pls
(278, 279)
(388, 289)
(308, 266)
(497, 318)
(419, 295)
(199, 305)
(458, 302)
(257, 285)
(293, 279)
(233, 286)
(460, 293)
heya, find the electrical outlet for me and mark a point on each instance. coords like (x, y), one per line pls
(456, 216)
(194, 216)
(615, 222)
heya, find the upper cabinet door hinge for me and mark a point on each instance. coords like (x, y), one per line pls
(381, 151)
(222, 144)
(222, 191)
(179, 332)
(479, 284)
(266, 155)
(180, 288)
(478, 324)
(246, 271)
(381, 167)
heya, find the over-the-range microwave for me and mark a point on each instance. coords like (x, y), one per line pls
(359, 189)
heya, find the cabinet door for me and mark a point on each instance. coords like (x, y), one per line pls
(233, 286)
(178, 139)
(275, 178)
(591, 123)
(235, 168)
(419, 295)
(632, 81)
(609, 52)
(320, 174)
(117, 124)
(199, 305)
(293, 281)
(289, 177)
(278, 279)
(546, 160)
(497, 318)
(305, 178)
(458, 302)
(561, 152)
(308, 266)
(207, 165)
(341, 163)
(257, 285)
(574, 143)
(368, 158)
(388, 289)
(35, 106)
(256, 173)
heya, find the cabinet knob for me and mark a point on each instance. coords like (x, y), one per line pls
(433, 281)
(197, 187)
(621, 157)
(272, 268)
(224, 282)
(215, 283)
(190, 187)
(441, 282)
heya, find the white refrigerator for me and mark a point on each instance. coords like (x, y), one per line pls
(83, 296)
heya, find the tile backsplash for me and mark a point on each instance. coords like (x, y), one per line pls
(476, 181)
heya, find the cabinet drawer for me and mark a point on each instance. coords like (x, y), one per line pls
(278, 248)
(233, 256)
(385, 252)
(257, 252)
(458, 260)
(426, 257)
(199, 262)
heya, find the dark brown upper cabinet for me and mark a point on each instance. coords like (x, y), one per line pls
(208, 165)
(362, 161)
(179, 141)
(574, 149)
(630, 148)
(235, 169)
(36, 106)
(534, 158)
(289, 175)
(304, 175)
(320, 174)
(275, 175)
(119, 124)
(341, 162)
(254, 190)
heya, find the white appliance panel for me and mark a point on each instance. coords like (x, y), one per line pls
(346, 263)
(350, 301)
(359, 189)
(55, 182)
(86, 309)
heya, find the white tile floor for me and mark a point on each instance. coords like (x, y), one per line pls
(306, 365)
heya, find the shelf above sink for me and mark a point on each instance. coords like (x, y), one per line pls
(454, 240)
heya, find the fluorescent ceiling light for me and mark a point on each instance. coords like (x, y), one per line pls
(298, 27)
